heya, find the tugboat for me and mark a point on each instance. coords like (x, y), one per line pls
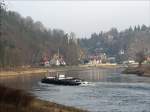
(62, 80)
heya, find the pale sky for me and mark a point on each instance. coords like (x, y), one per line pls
(85, 17)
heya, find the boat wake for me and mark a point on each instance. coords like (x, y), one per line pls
(85, 83)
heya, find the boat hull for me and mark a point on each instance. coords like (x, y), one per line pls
(60, 82)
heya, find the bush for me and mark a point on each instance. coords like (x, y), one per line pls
(15, 96)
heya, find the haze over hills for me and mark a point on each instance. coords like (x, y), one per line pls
(87, 73)
(113, 42)
(25, 41)
(85, 17)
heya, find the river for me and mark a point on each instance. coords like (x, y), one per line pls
(109, 91)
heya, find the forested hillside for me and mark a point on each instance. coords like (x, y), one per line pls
(113, 42)
(24, 41)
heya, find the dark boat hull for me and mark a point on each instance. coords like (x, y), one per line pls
(60, 82)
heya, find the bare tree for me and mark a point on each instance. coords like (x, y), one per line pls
(140, 57)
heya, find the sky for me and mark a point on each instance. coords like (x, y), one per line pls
(85, 17)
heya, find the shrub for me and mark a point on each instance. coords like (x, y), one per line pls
(15, 96)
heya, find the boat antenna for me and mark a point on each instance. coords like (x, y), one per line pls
(58, 53)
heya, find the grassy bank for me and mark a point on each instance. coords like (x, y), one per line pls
(144, 70)
(13, 100)
(32, 70)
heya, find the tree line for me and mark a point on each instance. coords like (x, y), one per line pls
(24, 41)
(130, 42)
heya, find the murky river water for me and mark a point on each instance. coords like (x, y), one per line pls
(109, 90)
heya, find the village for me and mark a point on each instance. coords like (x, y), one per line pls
(96, 59)
(55, 60)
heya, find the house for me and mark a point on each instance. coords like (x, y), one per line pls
(97, 59)
(58, 61)
(45, 61)
(147, 56)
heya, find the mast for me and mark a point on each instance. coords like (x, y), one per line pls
(58, 53)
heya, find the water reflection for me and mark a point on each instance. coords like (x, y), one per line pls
(93, 75)
(26, 82)
(110, 91)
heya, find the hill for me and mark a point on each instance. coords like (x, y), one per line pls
(123, 45)
(24, 41)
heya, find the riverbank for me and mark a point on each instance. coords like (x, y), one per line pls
(38, 105)
(37, 70)
(13, 100)
(144, 70)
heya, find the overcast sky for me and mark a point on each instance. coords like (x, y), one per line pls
(85, 17)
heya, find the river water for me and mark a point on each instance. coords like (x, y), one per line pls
(109, 90)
